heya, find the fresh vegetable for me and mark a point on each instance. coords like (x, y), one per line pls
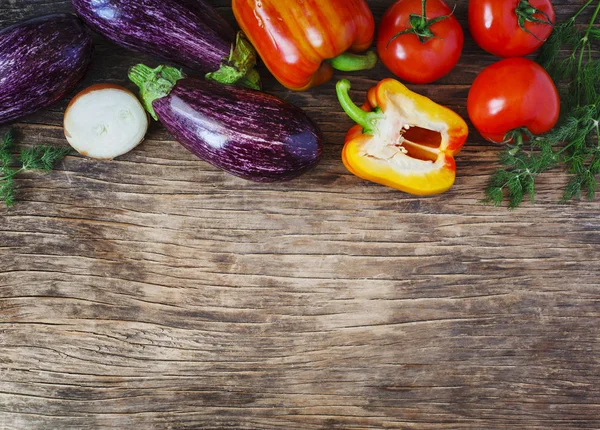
(301, 42)
(41, 61)
(190, 33)
(34, 158)
(420, 41)
(513, 97)
(403, 140)
(247, 133)
(568, 56)
(510, 28)
(105, 121)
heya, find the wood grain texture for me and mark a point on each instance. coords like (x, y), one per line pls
(157, 292)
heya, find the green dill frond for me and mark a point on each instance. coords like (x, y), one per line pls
(8, 140)
(595, 163)
(575, 162)
(564, 34)
(516, 191)
(573, 63)
(7, 191)
(589, 82)
(573, 189)
(518, 180)
(6, 157)
(561, 133)
(495, 188)
(42, 157)
(595, 33)
(35, 158)
(494, 195)
(584, 181)
(590, 184)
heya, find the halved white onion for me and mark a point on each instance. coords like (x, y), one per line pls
(105, 121)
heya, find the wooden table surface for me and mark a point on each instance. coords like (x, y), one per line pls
(156, 291)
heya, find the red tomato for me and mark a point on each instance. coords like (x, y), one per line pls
(410, 58)
(511, 94)
(494, 24)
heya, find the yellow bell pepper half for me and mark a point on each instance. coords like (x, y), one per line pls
(403, 140)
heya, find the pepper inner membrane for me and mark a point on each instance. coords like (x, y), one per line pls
(421, 143)
(407, 139)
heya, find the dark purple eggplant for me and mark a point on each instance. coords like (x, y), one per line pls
(41, 61)
(188, 32)
(247, 133)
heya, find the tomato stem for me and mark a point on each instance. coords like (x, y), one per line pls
(517, 138)
(420, 26)
(526, 12)
(368, 120)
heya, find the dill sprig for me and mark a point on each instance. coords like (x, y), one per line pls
(35, 158)
(574, 142)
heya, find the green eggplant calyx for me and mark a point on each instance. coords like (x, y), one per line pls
(154, 83)
(239, 67)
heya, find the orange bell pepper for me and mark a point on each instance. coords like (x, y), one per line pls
(295, 37)
(403, 140)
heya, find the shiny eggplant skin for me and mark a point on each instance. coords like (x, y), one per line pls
(247, 133)
(188, 32)
(42, 60)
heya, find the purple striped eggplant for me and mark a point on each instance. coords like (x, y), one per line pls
(41, 61)
(188, 32)
(247, 133)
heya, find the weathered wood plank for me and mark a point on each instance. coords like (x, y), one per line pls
(158, 292)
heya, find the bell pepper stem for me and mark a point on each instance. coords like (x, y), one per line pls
(348, 62)
(368, 120)
(154, 83)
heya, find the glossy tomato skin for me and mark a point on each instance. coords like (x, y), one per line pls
(406, 56)
(510, 94)
(494, 26)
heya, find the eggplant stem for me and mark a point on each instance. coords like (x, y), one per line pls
(348, 62)
(154, 83)
(368, 120)
(239, 67)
